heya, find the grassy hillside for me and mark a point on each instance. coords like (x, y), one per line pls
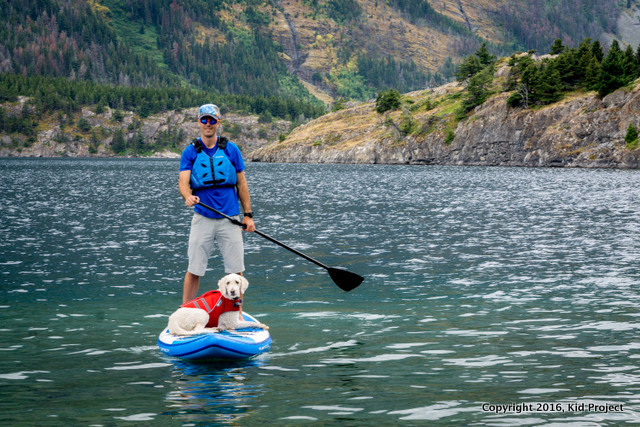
(574, 108)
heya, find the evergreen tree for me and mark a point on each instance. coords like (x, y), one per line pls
(138, 143)
(468, 68)
(567, 65)
(84, 125)
(484, 56)
(612, 74)
(596, 49)
(549, 86)
(118, 144)
(478, 89)
(584, 57)
(592, 74)
(344, 10)
(629, 65)
(557, 47)
(529, 84)
(632, 134)
(473, 64)
(388, 100)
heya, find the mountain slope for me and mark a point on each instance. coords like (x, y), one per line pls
(433, 35)
(333, 48)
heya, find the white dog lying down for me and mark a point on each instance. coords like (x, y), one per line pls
(220, 310)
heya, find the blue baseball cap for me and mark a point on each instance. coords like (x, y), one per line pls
(209, 110)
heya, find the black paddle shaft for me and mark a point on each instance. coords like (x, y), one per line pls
(345, 280)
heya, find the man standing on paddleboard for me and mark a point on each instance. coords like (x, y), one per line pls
(212, 171)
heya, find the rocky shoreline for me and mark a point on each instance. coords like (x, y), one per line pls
(244, 129)
(580, 131)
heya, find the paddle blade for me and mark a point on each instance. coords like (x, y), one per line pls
(345, 280)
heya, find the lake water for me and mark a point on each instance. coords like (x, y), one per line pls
(484, 287)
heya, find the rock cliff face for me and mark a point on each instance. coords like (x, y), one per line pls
(580, 131)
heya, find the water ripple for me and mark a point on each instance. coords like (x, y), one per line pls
(483, 285)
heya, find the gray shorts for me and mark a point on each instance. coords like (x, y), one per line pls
(205, 231)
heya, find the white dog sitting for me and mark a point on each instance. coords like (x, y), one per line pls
(189, 321)
(214, 311)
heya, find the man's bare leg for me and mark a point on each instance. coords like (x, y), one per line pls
(190, 287)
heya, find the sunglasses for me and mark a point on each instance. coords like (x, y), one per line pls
(211, 120)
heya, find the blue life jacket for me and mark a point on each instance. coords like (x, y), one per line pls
(212, 171)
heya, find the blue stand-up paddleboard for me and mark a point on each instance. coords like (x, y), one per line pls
(232, 344)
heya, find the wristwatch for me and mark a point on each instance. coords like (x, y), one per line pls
(249, 214)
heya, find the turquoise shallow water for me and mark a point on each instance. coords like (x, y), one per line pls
(484, 287)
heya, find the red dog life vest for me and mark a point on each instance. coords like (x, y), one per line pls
(213, 303)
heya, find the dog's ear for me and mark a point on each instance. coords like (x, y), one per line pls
(244, 284)
(221, 283)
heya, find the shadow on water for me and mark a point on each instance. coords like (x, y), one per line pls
(215, 392)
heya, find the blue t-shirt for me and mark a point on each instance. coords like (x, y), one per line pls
(223, 199)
